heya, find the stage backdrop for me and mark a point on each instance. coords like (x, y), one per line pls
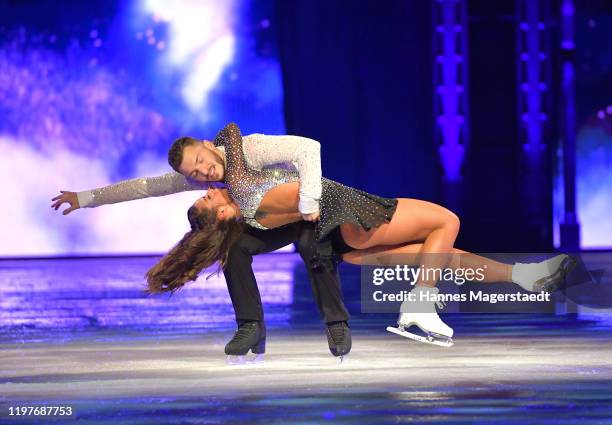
(94, 92)
(594, 127)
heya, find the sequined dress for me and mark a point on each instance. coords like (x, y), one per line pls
(338, 204)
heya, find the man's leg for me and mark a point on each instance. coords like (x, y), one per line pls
(238, 270)
(327, 291)
(242, 285)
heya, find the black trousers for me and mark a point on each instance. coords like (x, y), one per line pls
(241, 281)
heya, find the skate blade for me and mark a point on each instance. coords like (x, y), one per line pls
(431, 339)
(244, 360)
(343, 359)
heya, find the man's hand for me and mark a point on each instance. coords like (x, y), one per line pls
(68, 197)
(311, 217)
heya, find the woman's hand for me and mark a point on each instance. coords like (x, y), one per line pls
(67, 197)
(311, 217)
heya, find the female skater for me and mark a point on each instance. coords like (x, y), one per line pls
(360, 227)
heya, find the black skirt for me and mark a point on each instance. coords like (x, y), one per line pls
(343, 204)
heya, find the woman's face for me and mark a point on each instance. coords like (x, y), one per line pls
(218, 199)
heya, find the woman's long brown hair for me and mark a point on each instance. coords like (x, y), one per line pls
(208, 241)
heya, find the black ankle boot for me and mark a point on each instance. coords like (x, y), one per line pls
(249, 336)
(339, 338)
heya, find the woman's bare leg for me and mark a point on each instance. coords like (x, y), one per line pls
(409, 253)
(414, 221)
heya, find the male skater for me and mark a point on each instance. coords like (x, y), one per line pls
(197, 164)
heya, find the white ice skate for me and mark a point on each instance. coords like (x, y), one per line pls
(545, 275)
(422, 313)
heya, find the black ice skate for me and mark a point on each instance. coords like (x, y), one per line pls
(249, 336)
(339, 339)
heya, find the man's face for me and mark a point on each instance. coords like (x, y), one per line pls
(202, 162)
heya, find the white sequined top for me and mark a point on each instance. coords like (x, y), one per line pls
(260, 151)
